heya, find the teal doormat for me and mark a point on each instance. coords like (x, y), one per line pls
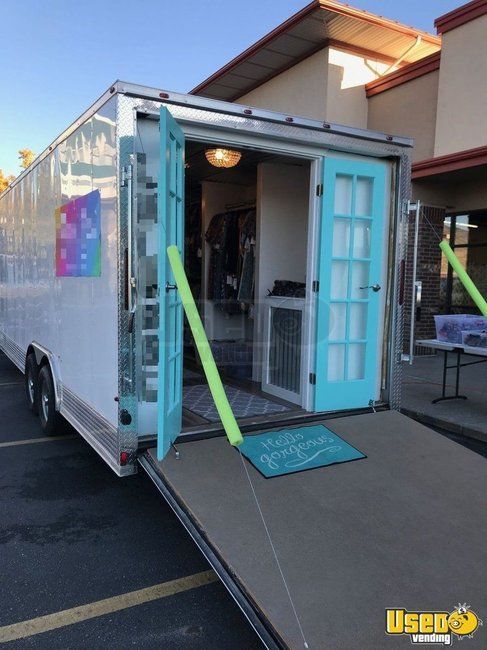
(286, 451)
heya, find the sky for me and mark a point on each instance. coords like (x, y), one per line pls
(58, 56)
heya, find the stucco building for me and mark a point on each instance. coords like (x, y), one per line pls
(340, 64)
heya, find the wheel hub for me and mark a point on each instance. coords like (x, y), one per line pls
(30, 386)
(45, 403)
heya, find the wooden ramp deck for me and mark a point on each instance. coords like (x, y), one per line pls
(405, 527)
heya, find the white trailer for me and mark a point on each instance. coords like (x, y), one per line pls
(88, 309)
(79, 259)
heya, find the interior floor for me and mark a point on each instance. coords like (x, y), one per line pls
(234, 247)
(246, 398)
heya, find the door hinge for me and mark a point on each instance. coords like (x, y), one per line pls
(319, 189)
(312, 378)
(315, 286)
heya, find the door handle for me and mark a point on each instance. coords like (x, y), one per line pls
(170, 287)
(374, 287)
(131, 320)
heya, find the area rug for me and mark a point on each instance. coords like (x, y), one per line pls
(275, 453)
(198, 399)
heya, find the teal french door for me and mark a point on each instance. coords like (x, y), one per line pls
(350, 271)
(170, 222)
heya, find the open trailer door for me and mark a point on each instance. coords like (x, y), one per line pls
(348, 364)
(170, 218)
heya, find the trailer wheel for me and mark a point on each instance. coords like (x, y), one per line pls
(46, 402)
(31, 379)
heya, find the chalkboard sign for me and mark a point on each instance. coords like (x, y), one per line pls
(275, 453)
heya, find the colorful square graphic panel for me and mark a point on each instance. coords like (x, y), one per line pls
(78, 237)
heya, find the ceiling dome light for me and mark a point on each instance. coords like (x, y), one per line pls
(223, 157)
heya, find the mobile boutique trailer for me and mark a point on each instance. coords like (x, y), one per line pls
(313, 214)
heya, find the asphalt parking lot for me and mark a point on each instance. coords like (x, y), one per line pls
(91, 560)
(72, 534)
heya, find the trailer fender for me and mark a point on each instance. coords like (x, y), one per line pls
(43, 356)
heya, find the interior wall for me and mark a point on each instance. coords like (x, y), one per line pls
(408, 110)
(282, 234)
(215, 197)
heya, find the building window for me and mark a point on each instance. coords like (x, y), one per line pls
(467, 235)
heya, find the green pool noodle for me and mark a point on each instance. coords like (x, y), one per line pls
(464, 278)
(209, 366)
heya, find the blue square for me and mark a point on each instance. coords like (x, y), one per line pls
(286, 451)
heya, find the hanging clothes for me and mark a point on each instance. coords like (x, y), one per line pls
(230, 235)
(247, 251)
(192, 247)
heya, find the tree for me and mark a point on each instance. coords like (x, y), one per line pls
(26, 157)
(5, 180)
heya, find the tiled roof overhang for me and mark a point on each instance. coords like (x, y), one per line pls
(321, 23)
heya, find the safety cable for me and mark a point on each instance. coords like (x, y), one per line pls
(273, 549)
(435, 230)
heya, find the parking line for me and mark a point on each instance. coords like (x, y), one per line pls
(12, 383)
(33, 441)
(101, 607)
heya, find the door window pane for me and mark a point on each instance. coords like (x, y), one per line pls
(363, 200)
(360, 278)
(339, 280)
(338, 321)
(336, 362)
(356, 361)
(343, 194)
(361, 238)
(358, 320)
(341, 237)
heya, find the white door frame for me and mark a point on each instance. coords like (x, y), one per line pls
(315, 156)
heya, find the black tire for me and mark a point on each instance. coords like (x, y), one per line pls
(31, 379)
(46, 402)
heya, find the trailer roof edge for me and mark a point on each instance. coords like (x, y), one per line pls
(251, 112)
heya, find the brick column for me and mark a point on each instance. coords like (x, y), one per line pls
(428, 271)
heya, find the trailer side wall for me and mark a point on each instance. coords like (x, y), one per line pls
(75, 318)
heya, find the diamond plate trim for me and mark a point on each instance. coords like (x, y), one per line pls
(401, 231)
(96, 430)
(127, 398)
(249, 126)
